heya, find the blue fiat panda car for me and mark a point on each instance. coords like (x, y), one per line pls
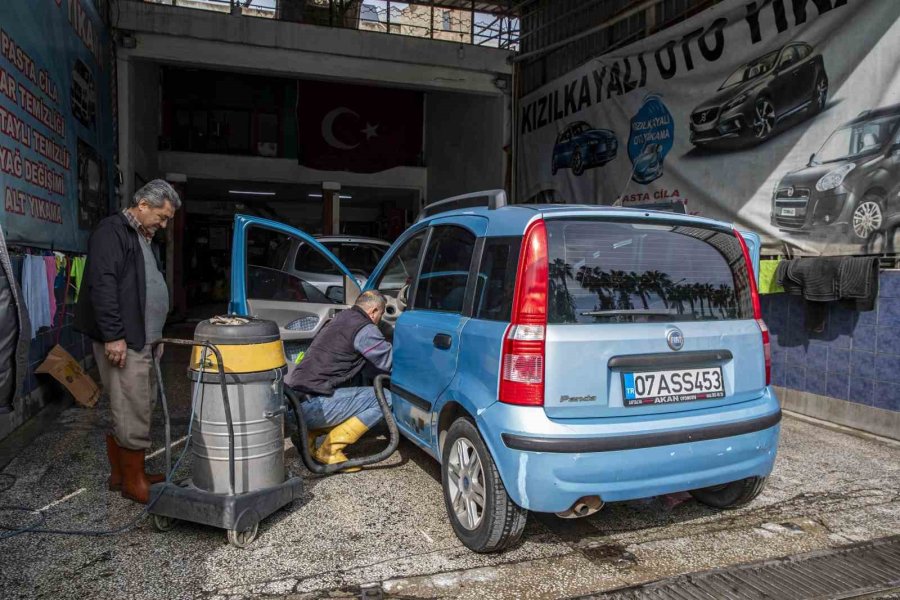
(555, 358)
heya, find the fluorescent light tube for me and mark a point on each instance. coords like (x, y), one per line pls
(249, 193)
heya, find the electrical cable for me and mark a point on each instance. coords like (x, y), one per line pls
(37, 526)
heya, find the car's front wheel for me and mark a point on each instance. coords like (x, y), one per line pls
(763, 119)
(867, 218)
(481, 513)
(821, 94)
(731, 495)
(577, 162)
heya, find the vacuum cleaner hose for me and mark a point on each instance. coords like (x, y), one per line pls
(318, 468)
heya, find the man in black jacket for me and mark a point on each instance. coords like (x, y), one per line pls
(122, 307)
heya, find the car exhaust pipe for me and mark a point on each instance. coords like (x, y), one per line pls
(583, 507)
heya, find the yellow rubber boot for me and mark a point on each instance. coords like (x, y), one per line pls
(312, 435)
(332, 449)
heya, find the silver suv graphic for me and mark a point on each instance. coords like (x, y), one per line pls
(851, 182)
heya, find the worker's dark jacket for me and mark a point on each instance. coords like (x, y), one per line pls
(331, 359)
(113, 293)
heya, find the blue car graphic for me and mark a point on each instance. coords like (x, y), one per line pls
(579, 147)
(649, 164)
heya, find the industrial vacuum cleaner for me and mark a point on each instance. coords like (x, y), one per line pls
(236, 432)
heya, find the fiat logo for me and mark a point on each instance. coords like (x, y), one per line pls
(675, 339)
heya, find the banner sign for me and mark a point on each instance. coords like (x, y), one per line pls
(56, 129)
(358, 128)
(782, 116)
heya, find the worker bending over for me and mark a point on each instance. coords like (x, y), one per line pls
(338, 353)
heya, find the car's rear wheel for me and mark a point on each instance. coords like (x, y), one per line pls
(577, 162)
(867, 218)
(731, 495)
(481, 513)
(763, 119)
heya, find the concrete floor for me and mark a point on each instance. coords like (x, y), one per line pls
(386, 526)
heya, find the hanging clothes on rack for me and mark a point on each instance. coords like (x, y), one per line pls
(50, 266)
(61, 264)
(66, 273)
(77, 273)
(34, 290)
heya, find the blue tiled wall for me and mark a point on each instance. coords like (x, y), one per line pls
(75, 344)
(856, 358)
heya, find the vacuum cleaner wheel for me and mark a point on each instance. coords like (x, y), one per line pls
(242, 539)
(161, 523)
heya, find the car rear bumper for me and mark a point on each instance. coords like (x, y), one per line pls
(547, 464)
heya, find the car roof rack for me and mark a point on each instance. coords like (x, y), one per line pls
(491, 199)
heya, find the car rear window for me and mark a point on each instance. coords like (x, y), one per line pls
(613, 271)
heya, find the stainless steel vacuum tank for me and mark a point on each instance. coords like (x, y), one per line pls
(254, 365)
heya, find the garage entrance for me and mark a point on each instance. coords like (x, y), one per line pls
(202, 238)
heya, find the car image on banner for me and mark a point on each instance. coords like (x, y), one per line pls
(757, 97)
(649, 164)
(851, 182)
(579, 147)
(811, 68)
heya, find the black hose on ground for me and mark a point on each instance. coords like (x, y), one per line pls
(321, 469)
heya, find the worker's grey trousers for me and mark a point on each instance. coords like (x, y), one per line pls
(132, 394)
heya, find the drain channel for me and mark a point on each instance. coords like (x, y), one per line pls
(847, 572)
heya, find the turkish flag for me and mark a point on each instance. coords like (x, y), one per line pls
(358, 128)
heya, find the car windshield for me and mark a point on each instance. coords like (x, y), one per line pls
(615, 272)
(752, 70)
(359, 257)
(857, 139)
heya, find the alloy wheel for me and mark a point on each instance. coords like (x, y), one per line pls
(763, 119)
(577, 163)
(821, 93)
(466, 484)
(867, 219)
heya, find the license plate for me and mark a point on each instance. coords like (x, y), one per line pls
(666, 387)
(788, 212)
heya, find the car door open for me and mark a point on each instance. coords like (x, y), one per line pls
(263, 286)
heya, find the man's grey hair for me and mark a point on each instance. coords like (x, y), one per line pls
(370, 299)
(156, 193)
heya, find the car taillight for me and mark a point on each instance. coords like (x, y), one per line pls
(757, 309)
(767, 348)
(522, 362)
